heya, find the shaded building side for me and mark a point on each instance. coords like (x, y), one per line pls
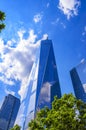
(8, 112)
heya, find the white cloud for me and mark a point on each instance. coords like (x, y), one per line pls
(48, 4)
(84, 86)
(37, 18)
(9, 92)
(6, 80)
(45, 36)
(45, 93)
(82, 60)
(17, 62)
(69, 7)
(20, 34)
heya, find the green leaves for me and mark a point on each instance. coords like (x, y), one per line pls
(67, 113)
(16, 127)
(2, 18)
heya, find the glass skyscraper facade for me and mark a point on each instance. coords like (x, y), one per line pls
(45, 83)
(8, 112)
(78, 76)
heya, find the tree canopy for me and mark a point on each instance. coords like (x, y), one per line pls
(67, 113)
(16, 127)
(2, 18)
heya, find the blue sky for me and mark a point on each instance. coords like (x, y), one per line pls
(28, 22)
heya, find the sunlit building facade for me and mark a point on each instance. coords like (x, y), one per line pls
(78, 76)
(8, 112)
(44, 82)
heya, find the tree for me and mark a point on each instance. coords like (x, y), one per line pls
(16, 127)
(67, 113)
(2, 18)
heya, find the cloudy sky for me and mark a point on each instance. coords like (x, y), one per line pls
(27, 22)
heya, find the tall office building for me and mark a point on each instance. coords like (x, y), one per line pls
(78, 76)
(44, 82)
(8, 112)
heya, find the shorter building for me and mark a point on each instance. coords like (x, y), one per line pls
(8, 112)
(78, 77)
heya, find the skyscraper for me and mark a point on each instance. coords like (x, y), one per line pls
(45, 83)
(78, 76)
(8, 112)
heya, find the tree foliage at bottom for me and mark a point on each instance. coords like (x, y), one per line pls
(67, 113)
(2, 18)
(16, 127)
